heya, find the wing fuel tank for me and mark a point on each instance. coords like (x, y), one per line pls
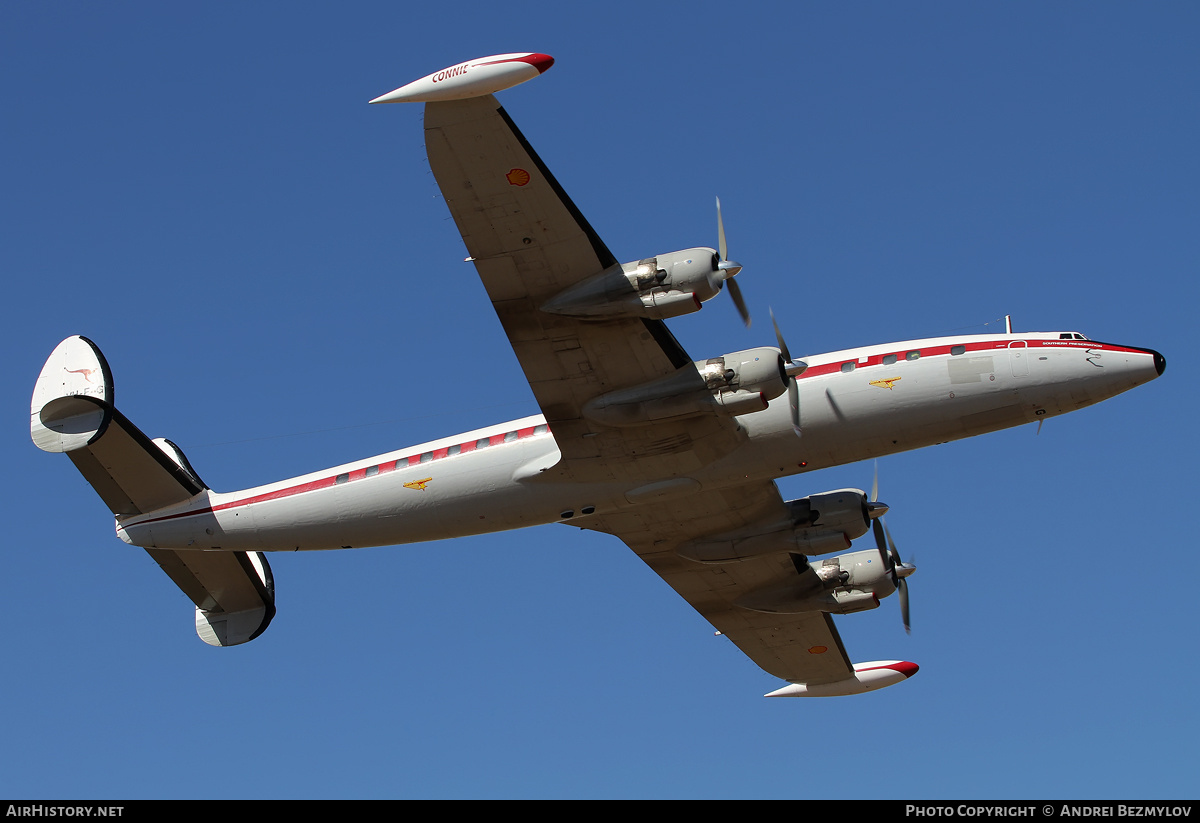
(867, 678)
(473, 78)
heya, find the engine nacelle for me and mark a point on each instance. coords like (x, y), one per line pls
(843, 511)
(667, 285)
(753, 371)
(788, 597)
(817, 524)
(738, 383)
(850, 583)
(863, 571)
(692, 270)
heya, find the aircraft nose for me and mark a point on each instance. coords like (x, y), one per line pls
(1160, 362)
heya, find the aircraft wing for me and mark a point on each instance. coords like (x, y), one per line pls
(529, 242)
(802, 648)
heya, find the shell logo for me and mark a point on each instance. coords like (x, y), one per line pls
(517, 177)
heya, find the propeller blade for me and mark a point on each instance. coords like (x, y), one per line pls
(893, 555)
(721, 249)
(729, 269)
(735, 291)
(891, 544)
(794, 402)
(783, 349)
(880, 541)
(793, 385)
(903, 589)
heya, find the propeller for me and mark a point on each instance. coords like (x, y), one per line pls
(727, 269)
(900, 572)
(792, 369)
(898, 569)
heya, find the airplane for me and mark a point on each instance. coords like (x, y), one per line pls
(674, 456)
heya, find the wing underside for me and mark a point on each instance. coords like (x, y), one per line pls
(801, 647)
(530, 244)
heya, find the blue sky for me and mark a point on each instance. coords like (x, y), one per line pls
(269, 269)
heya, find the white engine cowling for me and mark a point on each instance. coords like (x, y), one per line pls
(656, 288)
(693, 271)
(863, 571)
(850, 583)
(738, 383)
(753, 371)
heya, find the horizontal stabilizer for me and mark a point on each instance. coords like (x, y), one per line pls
(234, 592)
(72, 412)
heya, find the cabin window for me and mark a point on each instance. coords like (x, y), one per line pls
(889, 359)
(510, 437)
(958, 350)
(372, 471)
(454, 450)
(483, 442)
(542, 429)
(912, 355)
(426, 457)
(342, 478)
(848, 367)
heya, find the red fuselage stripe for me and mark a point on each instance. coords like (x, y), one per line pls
(989, 346)
(326, 482)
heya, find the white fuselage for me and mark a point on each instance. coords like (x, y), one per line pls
(855, 404)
